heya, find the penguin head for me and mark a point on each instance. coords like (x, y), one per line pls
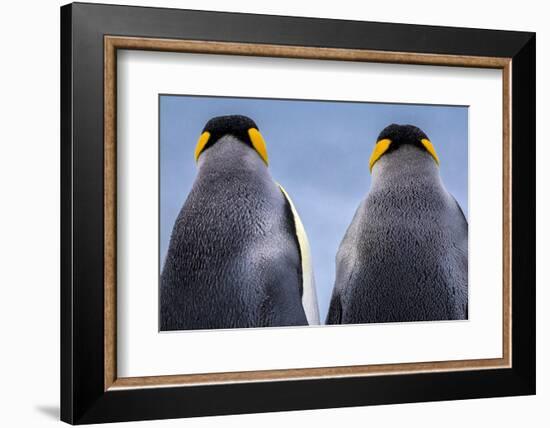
(241, 127)
(394, 136)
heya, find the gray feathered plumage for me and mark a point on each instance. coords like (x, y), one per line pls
(233, 259)
(404, 256)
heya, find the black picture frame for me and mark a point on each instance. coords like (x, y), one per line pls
(83, 396)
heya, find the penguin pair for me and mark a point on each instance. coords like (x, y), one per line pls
(239, 256)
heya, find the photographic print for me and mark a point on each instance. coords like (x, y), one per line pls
(283, 212)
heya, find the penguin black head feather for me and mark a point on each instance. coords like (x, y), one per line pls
(241, 127)
(402, 134)
(393, 136)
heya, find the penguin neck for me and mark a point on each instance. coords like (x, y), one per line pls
(230, 158)
(404, 167)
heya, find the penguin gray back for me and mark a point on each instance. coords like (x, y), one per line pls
(233, 259)
(404, 256)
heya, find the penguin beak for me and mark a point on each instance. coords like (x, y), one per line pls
(380, 148)
(258, 143)
(430, 149)
(203, 141)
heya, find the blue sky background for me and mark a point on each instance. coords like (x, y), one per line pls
(318, 151)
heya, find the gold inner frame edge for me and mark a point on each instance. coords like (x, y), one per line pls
(113, 43)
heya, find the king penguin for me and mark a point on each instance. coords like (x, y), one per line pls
(238, 255)
(404, 256)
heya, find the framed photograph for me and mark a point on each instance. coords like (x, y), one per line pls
(265, 213)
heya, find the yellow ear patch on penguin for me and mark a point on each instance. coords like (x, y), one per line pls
(430, 149)
(380, 148)
(203, 141)
(258, 143)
